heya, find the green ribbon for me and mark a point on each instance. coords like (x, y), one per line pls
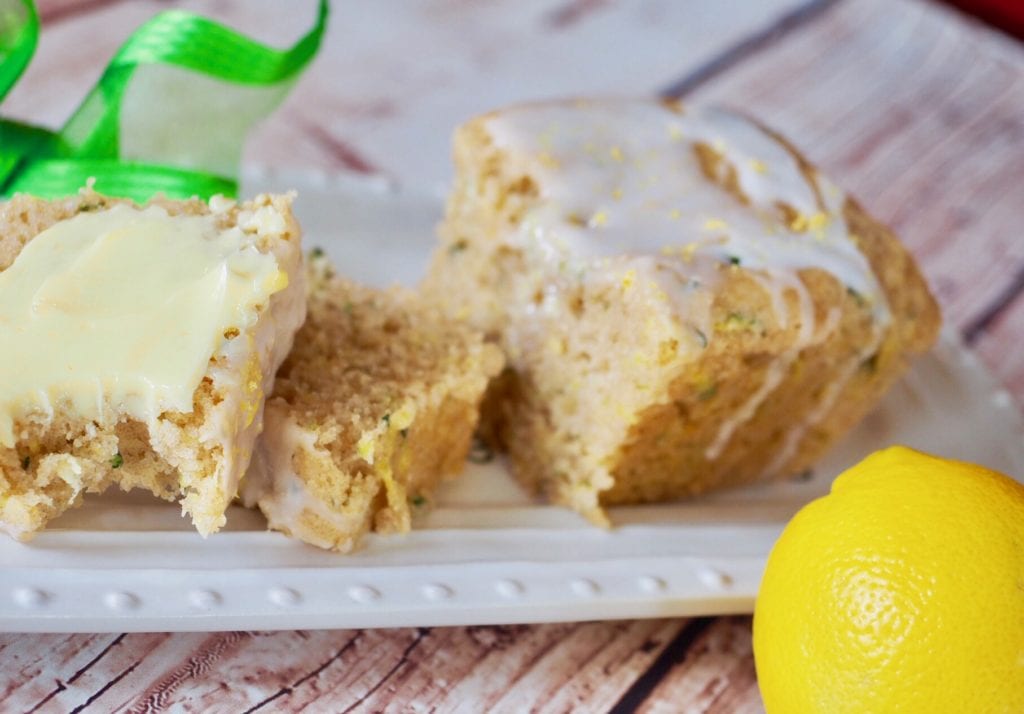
(90, 145)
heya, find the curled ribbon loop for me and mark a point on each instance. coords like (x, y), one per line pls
(19, 33)
(168, 115)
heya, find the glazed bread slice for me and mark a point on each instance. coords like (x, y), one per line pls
(685, 303)
(195, 456)
(375, 406)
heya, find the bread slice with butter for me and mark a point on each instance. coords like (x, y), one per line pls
(373, 408)
(138, 345)
(685, 302)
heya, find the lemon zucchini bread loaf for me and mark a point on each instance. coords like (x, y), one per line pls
(138, 345)
(376, 404)
(684, 302)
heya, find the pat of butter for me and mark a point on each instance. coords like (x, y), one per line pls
(119, 312)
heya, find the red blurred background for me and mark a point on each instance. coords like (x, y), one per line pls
(1007, 15)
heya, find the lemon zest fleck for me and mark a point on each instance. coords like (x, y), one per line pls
(628, 279)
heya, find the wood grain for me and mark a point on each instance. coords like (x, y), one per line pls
(30, 664)
(54, 11)
(547, 668)
(1000, 347)
(715, 676)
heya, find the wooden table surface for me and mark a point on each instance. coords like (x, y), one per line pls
(916, 109)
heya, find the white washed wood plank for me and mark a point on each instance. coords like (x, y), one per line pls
(1001, 347)
(716, 676)
(120, 661)
(588, 671)
(232, 672)
(485, 55)
(550, 667)
(56, 10)
(919, 114)
(35, 666)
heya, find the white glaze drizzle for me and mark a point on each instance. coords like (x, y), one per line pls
(281, 493)
(234, 425)
(774, 376)
(621, 178)
(622, 189)
(824, 406)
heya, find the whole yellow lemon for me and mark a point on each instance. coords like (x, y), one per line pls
(900, 591)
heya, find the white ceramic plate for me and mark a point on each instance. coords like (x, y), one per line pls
(487, 554)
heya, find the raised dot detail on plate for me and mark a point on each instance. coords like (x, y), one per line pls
(713, 578)
(30, 597)
(285, 597)
(585, 587)
(651, 584)
(436, 591)
(364, 593)
(121, 600)
(509, 588)
(204, 599)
